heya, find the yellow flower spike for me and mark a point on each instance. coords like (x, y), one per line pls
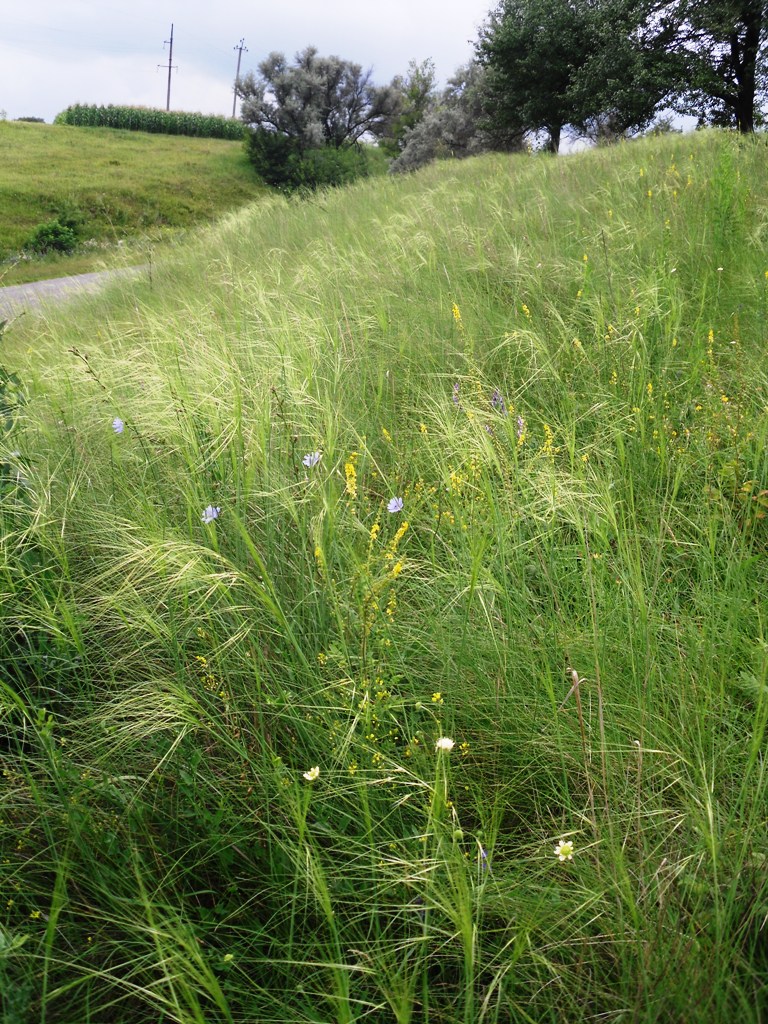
(386, 435)
(548, 448)
(350, 475)
(396, 540)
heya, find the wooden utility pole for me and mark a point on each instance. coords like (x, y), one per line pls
(171, 68)
(240, 47)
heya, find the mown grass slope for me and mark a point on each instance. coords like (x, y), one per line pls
(383, 609)
(120, 185)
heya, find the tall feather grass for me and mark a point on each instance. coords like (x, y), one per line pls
(223, 796)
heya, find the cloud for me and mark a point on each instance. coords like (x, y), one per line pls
(119, 80)
(53, 54)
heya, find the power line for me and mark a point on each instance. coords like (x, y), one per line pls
(171, 67)
(240, 47)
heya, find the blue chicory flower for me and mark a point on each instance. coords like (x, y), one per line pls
(497, 401)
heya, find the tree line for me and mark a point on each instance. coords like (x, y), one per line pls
(600, 69)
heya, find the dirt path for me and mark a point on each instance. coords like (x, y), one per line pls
(20, 298)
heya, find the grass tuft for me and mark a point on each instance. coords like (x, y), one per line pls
(276, 747)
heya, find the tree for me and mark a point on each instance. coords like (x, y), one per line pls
(722, 46)
(599, 66)
(455, 124)
(531, 50)
(417, 96)
(628, 71)
(316, 101)
(606, 67)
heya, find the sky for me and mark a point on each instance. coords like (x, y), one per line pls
(54, 53)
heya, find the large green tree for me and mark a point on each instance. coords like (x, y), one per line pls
(595, 65)
(613, 64)
(531, 50)
(722, 47)
(628, 70)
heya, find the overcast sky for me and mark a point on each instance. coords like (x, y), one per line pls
(57, 52)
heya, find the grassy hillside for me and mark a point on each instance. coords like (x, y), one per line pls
(384, 609)
(120, 185)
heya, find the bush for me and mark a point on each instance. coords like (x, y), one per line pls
(273, 156)
(58, 235)
(329, 166)
(282, 162)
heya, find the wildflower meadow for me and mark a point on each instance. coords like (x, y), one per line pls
(384, 608)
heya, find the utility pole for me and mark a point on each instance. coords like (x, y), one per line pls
(240, 47)
(170, 68)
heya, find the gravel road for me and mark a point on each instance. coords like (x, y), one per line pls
(20, 298)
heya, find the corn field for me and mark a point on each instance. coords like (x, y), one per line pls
(148, 119)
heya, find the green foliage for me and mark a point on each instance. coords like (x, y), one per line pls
(281, 162)
(230, 676)
(603, 76)
(523, 37)
(722, 52)
(147, 119)
(330, 166)
(607, 68)
(272, 155)
(59, 235)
